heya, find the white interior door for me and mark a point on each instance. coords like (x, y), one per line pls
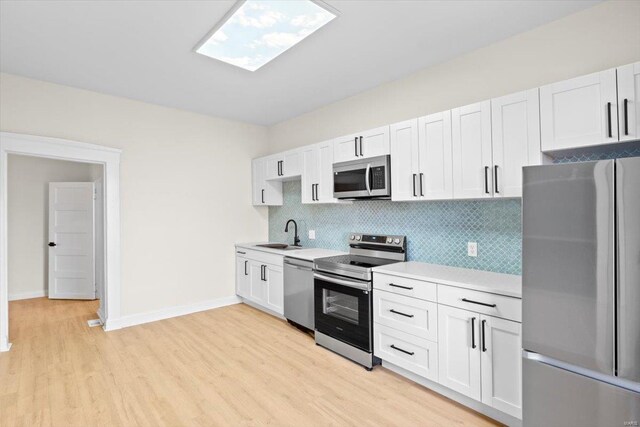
(71, 240)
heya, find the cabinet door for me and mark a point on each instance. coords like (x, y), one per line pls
(258, 169)
(375, 142)
(629, 101)
(471, 130)
(274, 289)
(579, 112)
(501, 365)
(291, 163)
(435, 177)
(310, 166)
(404, 160)
(516, 140)
(273, 166)
(265, 193)
(257, 286)
(459, 350)
(243, 277)
(346, 148)
(324, 181)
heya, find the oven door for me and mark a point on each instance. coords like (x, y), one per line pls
(362, 178)
(343, 309)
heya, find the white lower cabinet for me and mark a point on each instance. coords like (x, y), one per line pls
(243, 277)
(501, 365)
(466, 340)
(480, 356)
(459, 350)
(259, 279)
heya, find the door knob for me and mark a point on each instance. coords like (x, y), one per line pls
(52, 244)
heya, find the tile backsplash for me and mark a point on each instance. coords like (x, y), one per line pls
(437, 232)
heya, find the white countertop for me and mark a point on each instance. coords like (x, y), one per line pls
(485, 281)
(308, 254)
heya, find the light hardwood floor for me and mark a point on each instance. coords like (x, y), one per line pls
(230, 366)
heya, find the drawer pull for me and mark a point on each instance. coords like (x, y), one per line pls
(410, 353)
(401, 313)
(401, 287)
(243, 253)
(479, 303)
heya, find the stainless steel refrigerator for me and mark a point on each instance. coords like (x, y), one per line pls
(581, 294)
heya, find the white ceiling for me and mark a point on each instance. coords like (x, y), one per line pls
(144, 49)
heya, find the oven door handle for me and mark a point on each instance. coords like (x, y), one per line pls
(366, 177)
(344, 282)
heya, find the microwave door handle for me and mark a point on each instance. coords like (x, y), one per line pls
(366, 178)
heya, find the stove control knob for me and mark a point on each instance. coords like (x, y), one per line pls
(396, 241)
(358, 238)
(352, 237)
(389, 239)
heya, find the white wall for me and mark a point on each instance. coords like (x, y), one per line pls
(28, 214)
(185, 185)
(601, 37)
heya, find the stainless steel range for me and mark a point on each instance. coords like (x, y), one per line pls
(342, 295)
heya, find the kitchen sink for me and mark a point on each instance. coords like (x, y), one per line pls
(281, 246)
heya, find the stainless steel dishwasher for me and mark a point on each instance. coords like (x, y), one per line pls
(298, 292)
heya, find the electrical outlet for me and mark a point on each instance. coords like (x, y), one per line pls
(312, 234)
(472, 249)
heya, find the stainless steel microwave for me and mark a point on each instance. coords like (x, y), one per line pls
(363, 178)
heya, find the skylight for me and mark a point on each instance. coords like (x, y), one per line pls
(260, 30)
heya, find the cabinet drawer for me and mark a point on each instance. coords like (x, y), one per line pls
(410, 315)
(261, 257)
(403, 286)
(481, 302)
(414, 354)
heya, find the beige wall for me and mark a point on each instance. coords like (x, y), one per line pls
(185, 185)
(27, 204)
(595, 39)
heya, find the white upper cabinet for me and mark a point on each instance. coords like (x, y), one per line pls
(580, 112)
(317, 173)
(265, 193)
(515, 140)
(421, 159)
(471, 132)
(459, 350)
(629, 101)
(370, 143)
(284, 165)
(310, 169)
(435, 178)
(501, 364)
(405, 162)
(324, 186)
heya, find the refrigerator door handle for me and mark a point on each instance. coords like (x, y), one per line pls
(609, 379)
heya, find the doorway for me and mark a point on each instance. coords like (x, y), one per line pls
(108, 159)
(55, 229)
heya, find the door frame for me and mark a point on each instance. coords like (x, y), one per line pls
(61, 149)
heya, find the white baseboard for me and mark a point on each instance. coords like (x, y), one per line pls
(167, 313)
(27, 295)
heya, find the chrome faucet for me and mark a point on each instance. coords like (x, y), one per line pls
(296, 239)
